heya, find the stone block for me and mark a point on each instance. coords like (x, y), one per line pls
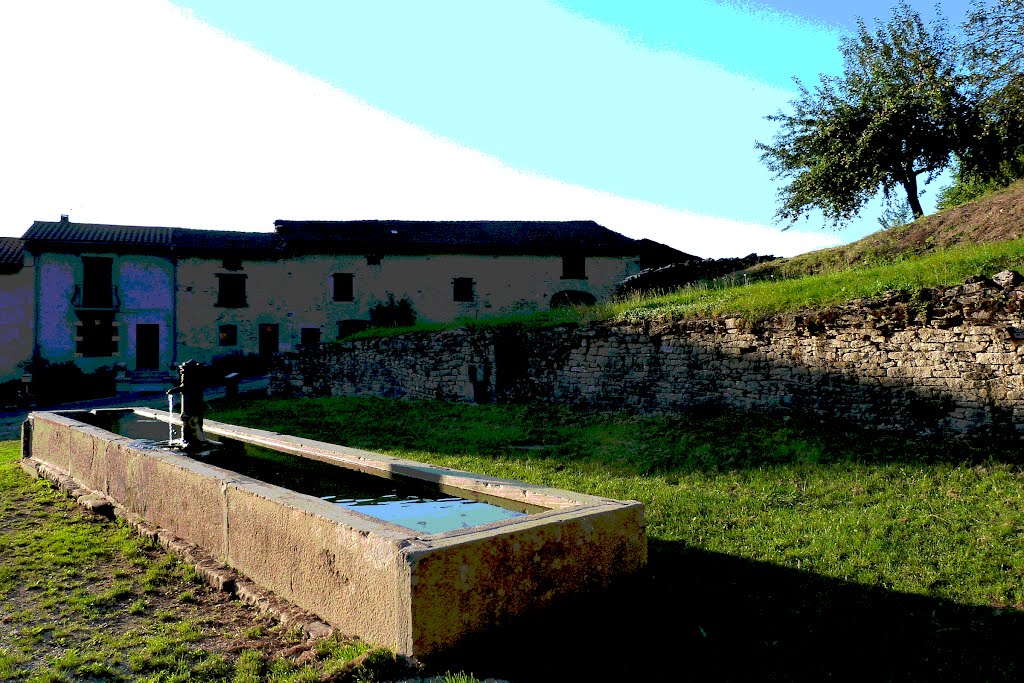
(470, 582)
(333, 567)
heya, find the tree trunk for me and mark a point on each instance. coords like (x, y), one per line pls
(910, 185)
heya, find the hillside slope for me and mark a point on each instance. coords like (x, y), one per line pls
(993, 218)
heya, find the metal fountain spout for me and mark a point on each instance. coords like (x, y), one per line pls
(191, 389)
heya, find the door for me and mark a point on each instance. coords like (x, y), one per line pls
(268, 340)
(310, 338)
(147, 347)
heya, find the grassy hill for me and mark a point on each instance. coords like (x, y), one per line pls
(982, 237)
(998, 217)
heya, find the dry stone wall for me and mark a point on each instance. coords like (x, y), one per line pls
(944, 361)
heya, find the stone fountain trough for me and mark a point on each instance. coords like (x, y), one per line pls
(417, 592)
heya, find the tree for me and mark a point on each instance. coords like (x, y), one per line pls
(900, 109)
(995, 30)
(995, 50)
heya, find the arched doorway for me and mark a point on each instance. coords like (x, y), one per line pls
(572, 297)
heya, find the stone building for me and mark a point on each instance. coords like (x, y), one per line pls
(17, 309)
(147, 297)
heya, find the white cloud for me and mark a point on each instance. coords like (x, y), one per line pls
(131, 111)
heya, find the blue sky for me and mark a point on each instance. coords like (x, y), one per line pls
(646, 111)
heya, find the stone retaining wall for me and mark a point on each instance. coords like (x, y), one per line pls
(947, 361)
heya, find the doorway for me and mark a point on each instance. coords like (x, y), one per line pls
(147, 346)
(268, 340)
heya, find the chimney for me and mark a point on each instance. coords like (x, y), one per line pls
(64, 218)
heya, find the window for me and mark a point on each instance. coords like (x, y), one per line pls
(231, 291)
(343, 290)
(229, 335)
(310, 337)
(97, 282)
(462, 289)
(373, 259)
(574, 267)
(97, 336)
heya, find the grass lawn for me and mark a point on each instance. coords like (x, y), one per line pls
(85, 599)
(779, 549)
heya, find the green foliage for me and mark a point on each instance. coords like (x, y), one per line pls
(994, 51)
(995, 30)
(59, 382)
(460, 677)
(522, 319)
(899, 110)
(393, 313)
(897, 212)
(966, 188)
(998, 151)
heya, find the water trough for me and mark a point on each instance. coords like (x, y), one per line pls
(400, 553)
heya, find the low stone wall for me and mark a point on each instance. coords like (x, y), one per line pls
(946, 361)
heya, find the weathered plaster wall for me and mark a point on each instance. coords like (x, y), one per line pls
(502, 284)
(16, 319)
(58, 275)
(144, 284)
(146, 287)
(298, 293)
(268, 289)
(948, 361)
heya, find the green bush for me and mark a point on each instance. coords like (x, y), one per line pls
(966, 188)
(63, 382)
(394, 313)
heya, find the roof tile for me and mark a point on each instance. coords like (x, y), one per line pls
(505, 237)
(12, 250)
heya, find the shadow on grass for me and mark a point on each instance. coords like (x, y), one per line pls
(705, 439)
(695, 615)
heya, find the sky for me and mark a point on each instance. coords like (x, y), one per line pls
(229, 114)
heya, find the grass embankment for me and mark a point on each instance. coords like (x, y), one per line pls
(779, 549)
(836, 284)
(834, 287)
(994, 217)
(82, 598)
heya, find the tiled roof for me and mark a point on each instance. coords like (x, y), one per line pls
(11, 251)
(505, 237)
(79, 233)
(204, 240)
(355, 237)
(134, 237)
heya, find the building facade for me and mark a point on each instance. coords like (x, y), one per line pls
(146, 298)
(17, 308)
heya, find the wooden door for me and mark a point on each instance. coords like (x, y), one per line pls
(147, 347)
